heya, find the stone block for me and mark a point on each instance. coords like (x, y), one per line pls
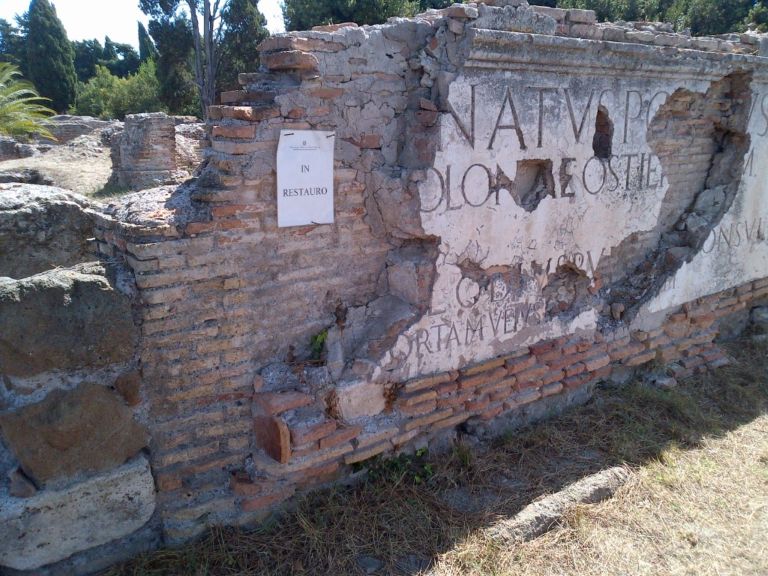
(144, 155)
(290, 60)
(557, 13)
(85, 430)
(42, 227)
(582, 16)
(64, 319)
(54, 524)
(234, 131)
(358, 399)
(461, 11)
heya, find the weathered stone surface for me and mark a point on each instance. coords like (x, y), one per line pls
(65, 128)
(537, 518)
(144, 154)
(42, 227)
(290, 60)
(20, 486)
(759, 319)
(10, 149)
(64, 319)
(86, 430)
(129, 387)
(25, 176)
(190, 142)
(54, 524)
(361, 399)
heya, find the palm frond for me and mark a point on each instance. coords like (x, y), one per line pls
(22, 110)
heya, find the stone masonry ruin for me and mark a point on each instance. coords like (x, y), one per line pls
(153, 149)
(527, 203)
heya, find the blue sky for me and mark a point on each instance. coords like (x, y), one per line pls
(85, 19)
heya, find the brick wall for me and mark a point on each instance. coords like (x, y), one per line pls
(243, 413)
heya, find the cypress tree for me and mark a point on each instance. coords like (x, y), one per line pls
(147, 48)
(50, 56)
(174, 42)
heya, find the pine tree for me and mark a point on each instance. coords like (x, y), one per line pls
(50, 56)
(244, 29)
(147, 48)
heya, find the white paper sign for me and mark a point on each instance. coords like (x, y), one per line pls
(305, 177)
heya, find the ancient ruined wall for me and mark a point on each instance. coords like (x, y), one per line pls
(144, 154)
(527, 203)
(73, 472)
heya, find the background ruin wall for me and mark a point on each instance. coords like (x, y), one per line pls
(527, 203)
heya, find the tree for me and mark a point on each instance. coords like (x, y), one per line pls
(50, 58)
(204, 16)
(244, 29)
(758, 16)
(147, 48)
(138, 92)
(93, 97)
(706, 17)
(173, 39)
(88, 54)
(702, 17)
(22, 113)
(13, 42)
(109, 96)
(303, 14)
(124, 59)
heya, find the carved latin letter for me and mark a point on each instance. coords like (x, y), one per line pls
(515, 126)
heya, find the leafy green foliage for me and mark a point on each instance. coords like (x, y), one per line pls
(758, 16)
(121, 59)
(244, 29)
(425, 5)
(702, 17)
(705, 17)
(317, 345)
(109, 96)
(88, 54)
(303, 14)
(406, 468)
(22, 113)
(50, 56)
(93, 97)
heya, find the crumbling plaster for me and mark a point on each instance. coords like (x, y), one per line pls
(514, 102)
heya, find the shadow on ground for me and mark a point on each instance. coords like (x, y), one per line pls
(412, 509)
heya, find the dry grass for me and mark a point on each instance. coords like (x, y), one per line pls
(697, 502)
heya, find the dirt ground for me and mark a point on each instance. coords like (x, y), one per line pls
(82, 165)
(696, 502)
